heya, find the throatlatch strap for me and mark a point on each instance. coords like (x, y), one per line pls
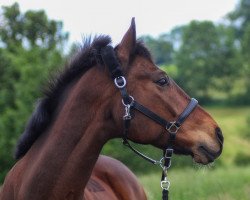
(126, 143)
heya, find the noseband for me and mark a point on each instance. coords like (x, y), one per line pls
(129, 103)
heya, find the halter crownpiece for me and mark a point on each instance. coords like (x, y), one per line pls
(129, 103)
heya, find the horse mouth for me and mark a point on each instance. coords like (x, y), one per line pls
(183, 151)
(205, 155)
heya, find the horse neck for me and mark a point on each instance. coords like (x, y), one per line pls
(65, 156)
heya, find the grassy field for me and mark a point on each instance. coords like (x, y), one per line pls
(226, 179)
(202, 184)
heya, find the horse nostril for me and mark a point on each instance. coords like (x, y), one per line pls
(219, 135)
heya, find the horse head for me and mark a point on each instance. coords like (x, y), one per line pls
(198, 136)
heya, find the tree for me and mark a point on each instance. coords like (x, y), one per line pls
(245, 53)
(240, 21)
(30, 29)
(31, 46)
(161, 48)
(204, 59)
(240, 17)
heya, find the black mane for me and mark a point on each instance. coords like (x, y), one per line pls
(87, 57)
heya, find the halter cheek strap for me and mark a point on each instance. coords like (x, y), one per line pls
(172, 127)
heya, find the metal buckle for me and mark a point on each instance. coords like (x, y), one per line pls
(173, 128)
(169, 153)
(161, 163)
(124, 82)
(132, 99)
(127, 115)
(165, 184)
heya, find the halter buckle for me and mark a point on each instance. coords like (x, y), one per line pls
(129, 104)
(173, 128)
(127, 115)
(162, 165)
(165, 184)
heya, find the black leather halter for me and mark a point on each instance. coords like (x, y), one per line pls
(172, 127)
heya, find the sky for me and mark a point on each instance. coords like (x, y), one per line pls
(112, 17)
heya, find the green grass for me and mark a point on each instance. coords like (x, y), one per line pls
(227, 179)
(202, 184)
(236, 131)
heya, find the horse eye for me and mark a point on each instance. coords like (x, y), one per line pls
(162, 82)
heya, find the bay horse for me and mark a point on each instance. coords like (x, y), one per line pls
(82, 110)
(111, 179)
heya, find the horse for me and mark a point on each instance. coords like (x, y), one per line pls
(83, 108)
(111, 179)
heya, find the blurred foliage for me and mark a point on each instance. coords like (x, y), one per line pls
(206, 59)
(161, 48)
(247, 129)
(240, 17)
(30, 47)
(242, 159)
(30, 29)
(210, 61)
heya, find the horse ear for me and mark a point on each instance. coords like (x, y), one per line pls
(127, 46)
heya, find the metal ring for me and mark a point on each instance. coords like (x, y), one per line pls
(173, 128)
(132, 99)
(160, 162)
(124, 82)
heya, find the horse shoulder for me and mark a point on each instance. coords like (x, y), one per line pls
(7, 189)
(11, 188)
(118, 178)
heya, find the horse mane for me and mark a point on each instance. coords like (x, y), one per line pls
(87, 57)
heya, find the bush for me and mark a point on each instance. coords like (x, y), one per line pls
(242, 159)
(246, 129)
(248, 120)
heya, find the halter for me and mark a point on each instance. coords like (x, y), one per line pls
(129, 103)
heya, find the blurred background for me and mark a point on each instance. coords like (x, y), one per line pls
(203, 45)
